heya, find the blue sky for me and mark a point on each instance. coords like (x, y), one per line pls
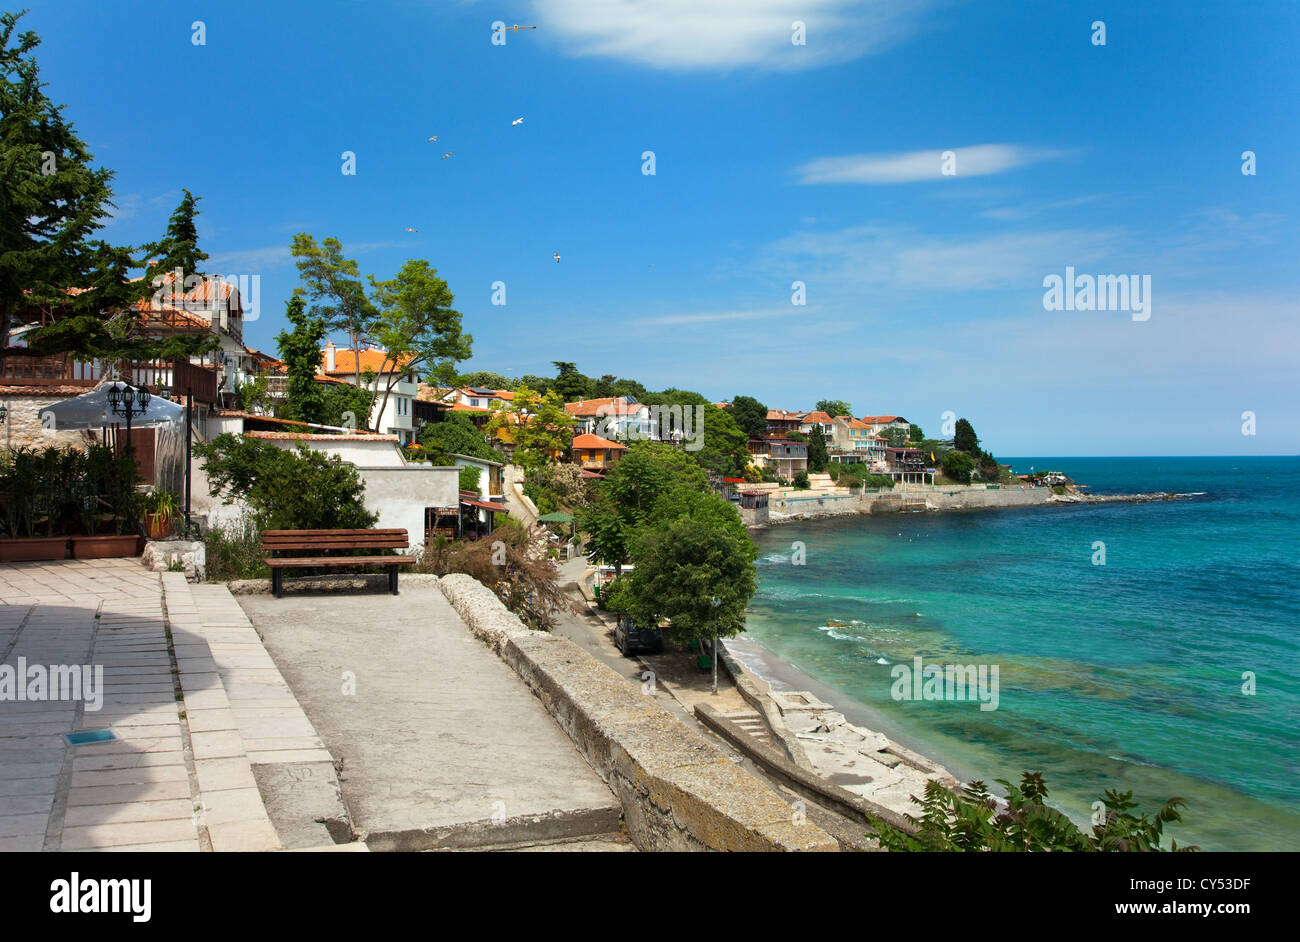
(775, 163)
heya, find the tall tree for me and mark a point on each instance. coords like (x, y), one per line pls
(334, 282)
(178, 249)
(570, 384)
(51, 198)
(818, 458)
(300, 350)
(834, 407)
(750, 415)
(964, 438)
(417, 327)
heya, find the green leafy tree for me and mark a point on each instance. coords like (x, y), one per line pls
(717, 443)
(624, 501)
(964, 438)
(834, 407)
(915, 433)
(897, 437)
(750, 415)
(541, 384)
(801, 480)
(299, 349)
(334, 283)
(957, 466)
(469, 477)
(570, 384)
(346, 405)
(417, 327)
(51, 197)
(971, 819)
(694, 566)
(455, 435)
(285, 489)
(482, 379)
(541, 429)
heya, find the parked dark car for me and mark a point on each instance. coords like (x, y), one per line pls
(631, 638)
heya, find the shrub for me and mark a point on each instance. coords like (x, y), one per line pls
(970, 819)
(957, 466)
(801, 480)
(286, 490)
(234, 551)
(60, 491)
(512, 564)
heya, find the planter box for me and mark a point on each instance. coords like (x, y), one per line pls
(21, 549)
(105, 547)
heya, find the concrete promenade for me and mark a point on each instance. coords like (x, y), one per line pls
(439, 743)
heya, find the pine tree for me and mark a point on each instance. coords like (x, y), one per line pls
(51, 198)
(179, 247)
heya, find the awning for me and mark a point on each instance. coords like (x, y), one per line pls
(486, 505)
(556, 517)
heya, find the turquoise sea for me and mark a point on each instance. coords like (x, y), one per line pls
(1127, 675)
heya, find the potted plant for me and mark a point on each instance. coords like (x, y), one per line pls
(160, 509)
(29, 484)
(120, 497)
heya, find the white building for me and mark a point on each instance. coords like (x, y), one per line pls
(394, 417)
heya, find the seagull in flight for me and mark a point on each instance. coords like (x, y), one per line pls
(556, 256)
(515, 123)
(448, 154)
(409, 229)
(517, 27)
(432, 139)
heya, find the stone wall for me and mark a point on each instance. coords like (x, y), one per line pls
(678, 792)
(23, 424)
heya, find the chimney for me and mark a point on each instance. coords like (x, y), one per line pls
(329, 357)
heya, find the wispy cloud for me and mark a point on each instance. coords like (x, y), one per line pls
(712, 317)
(981, 160)
(722, 34)
(276, 256)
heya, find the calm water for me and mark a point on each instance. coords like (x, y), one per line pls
(1126, 675)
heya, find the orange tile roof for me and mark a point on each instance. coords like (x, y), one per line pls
(780, 415)
(504, 395)
(372, 360)
(880, 419)
(613, 405)
(461, 407)
(587, 440)
(817, 417)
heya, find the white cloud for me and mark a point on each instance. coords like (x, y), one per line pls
(980, 160)
(709, 34)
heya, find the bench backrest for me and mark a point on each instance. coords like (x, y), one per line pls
(315, 540)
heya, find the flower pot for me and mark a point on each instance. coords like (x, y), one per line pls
(105, 547)
(158, 526)
(20, 549)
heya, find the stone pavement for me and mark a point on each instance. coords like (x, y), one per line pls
(178, 774)
(440, 743)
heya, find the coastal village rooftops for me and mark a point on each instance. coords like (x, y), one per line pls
(587, 440)
(504, 395)
(821, 417)
(780, 415)
(882, 419)
(613, 405)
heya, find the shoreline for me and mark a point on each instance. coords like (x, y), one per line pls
(941, 499)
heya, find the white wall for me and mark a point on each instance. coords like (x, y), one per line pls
(400, 495)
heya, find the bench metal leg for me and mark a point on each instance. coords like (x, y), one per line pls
(277, 583)
(392, 579)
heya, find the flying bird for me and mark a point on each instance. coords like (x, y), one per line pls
(409, 229)
(448, 154)
(515, 123)
(557, 258)
(517, 27)
(432, 139)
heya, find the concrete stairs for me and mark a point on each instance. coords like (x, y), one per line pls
(753, 725)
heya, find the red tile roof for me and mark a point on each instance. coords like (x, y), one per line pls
(372, 360)
(587, 440)
(614, 405)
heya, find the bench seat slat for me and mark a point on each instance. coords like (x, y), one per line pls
(358, 544)
(305, 562)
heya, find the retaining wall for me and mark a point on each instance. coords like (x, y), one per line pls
(678, 792)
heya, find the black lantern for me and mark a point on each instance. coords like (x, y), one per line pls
(166, 393)
(128, 401)
(4, 411)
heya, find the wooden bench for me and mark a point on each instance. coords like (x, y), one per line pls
(315, 541)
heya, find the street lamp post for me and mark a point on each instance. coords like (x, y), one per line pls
(716, 602)
(4, 415)
(128, 401)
